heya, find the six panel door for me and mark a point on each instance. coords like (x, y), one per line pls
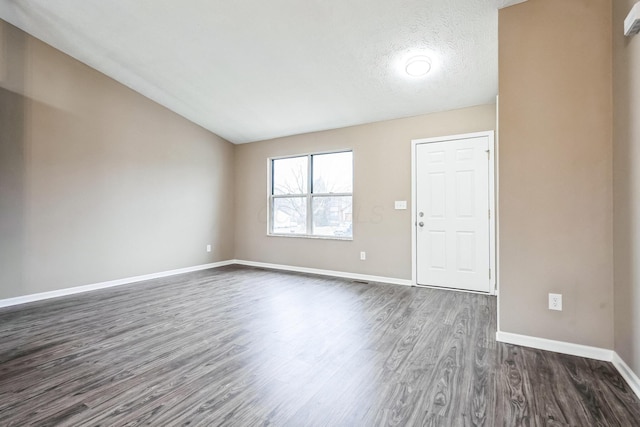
(452, 214)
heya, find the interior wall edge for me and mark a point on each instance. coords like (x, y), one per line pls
(627, 373)
(626, 209)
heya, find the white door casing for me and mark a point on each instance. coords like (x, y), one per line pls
(452, 212)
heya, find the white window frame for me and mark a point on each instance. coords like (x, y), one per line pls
(309, 195)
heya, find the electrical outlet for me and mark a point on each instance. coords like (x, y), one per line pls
(555, 302)
(363, 256)
(208, 248)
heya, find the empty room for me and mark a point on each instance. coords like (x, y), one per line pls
(320, 213)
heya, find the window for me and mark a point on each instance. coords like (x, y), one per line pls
(312, 195)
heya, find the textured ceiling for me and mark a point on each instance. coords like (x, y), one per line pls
(252, 69)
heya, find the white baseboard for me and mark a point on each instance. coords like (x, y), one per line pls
(506, 337)
(342, 274)
(575, 350)
(556, 346)
(102, 285)
(630, 377)
(111, 283)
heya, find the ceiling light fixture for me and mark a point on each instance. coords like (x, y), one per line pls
(418, 66)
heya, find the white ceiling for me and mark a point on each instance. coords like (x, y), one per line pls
(249, 70)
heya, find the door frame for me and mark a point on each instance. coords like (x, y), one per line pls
(492, 205)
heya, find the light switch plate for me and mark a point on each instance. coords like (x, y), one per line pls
(401, 204)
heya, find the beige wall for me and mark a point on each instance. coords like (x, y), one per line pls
(555, 167)
(97, 182)
(382, 174)
(626, 190)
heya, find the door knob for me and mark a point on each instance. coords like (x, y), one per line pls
(421, 224)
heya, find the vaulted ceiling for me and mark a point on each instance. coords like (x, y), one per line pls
(249, 70)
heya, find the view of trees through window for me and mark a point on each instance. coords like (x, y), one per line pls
(313, 195)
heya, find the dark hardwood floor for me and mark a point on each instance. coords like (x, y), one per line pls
(247, 347)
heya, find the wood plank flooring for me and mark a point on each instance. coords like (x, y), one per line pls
(240, 346)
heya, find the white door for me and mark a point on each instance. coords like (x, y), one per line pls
(452, 214)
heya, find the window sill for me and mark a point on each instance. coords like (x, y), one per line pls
(307, 236)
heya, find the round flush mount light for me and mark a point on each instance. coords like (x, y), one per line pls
(418, 66)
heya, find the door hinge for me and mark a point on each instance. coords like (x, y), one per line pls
(489, 274)
(488, 154)
(489, 213)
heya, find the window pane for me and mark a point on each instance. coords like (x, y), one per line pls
(333, 173)
(332, 216)
(290, 215)
(290, 175)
